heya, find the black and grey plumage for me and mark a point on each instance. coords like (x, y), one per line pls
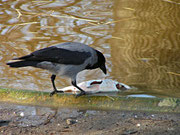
(65, 59)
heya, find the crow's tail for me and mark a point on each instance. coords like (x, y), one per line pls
(18, 64)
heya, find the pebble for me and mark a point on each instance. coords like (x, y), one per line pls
(138, 125)
(71, 121)
(22, 114)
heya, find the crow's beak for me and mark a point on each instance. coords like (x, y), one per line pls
(103, 68)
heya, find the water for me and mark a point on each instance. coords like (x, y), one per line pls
(140, 40)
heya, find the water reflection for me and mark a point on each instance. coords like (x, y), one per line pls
(148, 46)
(140, 40)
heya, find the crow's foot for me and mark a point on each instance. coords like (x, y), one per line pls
(55, 91)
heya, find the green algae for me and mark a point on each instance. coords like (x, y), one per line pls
(37, 98)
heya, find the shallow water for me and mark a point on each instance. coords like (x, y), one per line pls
(140, 40)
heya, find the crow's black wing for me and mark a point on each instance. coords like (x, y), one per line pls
(57, 55)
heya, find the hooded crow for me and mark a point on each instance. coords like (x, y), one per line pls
(65, 59)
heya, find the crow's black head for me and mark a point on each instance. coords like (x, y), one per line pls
(101, 61)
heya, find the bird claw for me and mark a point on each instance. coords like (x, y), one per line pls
(81, 94)
(54, 92)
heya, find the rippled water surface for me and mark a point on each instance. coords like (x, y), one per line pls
(140, 40)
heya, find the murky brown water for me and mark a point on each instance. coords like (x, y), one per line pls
(140, 39)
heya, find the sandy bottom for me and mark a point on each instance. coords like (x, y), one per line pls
(30, 120)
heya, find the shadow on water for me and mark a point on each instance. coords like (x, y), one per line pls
(140, 40)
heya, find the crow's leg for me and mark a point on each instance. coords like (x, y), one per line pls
(82, 91)
(53, 77)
